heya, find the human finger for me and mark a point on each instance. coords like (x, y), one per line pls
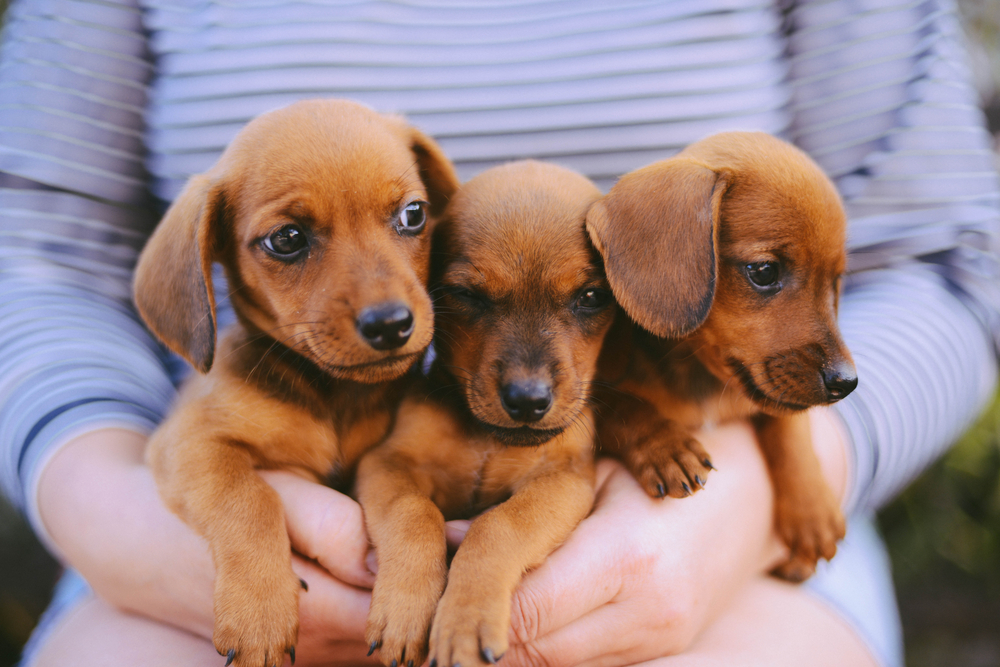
(330, 607)
(324, 525)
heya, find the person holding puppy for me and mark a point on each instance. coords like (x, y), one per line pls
(107, 103)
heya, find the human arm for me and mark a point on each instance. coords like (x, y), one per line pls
(882, 99)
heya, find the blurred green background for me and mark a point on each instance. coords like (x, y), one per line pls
(943, 532)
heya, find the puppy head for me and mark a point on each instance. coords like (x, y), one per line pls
(739, 244)
(522, 302)
(319, 213)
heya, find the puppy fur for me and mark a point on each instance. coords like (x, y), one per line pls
(729, 259)
(503, 420)
(319, 213)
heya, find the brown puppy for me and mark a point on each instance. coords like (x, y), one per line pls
(504, 418)
(729, 258)
(318, 213)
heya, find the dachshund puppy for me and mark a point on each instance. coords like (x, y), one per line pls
(319, 213)
(729, 258)
(503, 420)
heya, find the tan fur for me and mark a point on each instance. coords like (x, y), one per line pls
(680, 240)
(512, 266)
(293, 385)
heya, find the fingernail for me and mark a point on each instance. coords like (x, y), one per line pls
(230, 657)
(371, 562)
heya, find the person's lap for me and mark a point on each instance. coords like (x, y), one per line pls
(846, 615)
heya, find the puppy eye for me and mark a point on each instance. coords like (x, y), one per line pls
(412, 218)
(593, 298)
(468, 297)
(763, 274)
(286, 241)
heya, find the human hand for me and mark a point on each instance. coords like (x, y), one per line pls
(102, 510)
(640, 578)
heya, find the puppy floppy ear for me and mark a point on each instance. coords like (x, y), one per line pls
(173, 278)
(657, 230)
(436, 171)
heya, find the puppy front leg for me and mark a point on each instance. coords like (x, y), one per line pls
(661, 454)
(215, 488)
(473, 618)
(407, 530)
(807, 515)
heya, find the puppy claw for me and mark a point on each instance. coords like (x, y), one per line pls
(372, 647)
(230, 657)
(794, 570)
(708, 464)
(666, 460)
(488, 656)
(291, 654)
(302, 582)
(393, 663)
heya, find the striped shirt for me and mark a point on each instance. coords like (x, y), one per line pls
(107, 106)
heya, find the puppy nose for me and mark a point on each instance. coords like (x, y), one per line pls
(840, 380)
(526, 401)
(385, 326)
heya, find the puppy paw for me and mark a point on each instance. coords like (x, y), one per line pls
(811, 528)
(667, 461)
(400, 617)
(257, 618)
(469, 634)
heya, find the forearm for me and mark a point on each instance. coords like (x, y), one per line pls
(102, 511)
(883, 100)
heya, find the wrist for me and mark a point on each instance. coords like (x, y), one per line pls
(66, 479)
(102, 510)
(831, 442)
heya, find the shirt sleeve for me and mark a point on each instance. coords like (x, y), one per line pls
(74, 214)
(882, 99)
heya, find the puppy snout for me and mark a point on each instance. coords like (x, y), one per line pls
(840, 380)
(385, 326)
(526, 400)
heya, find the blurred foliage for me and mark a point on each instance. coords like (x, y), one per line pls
(949, 519)
(981, 21)
(27, 575)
